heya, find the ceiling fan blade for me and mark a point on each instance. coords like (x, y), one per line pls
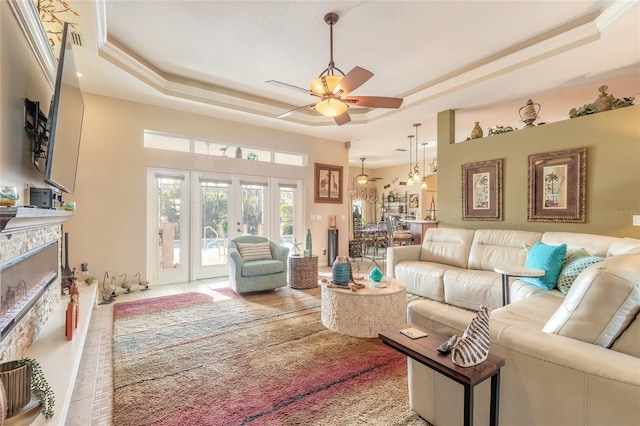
(352, 80)
(288, 113)
(291, 86)
(373, 101)
(343, 118)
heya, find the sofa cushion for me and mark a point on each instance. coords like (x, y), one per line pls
(254, 268)
(423, 278)
(602, 302)
(469, 288)
(449, 246)
(499, 247)
(254, 251)
(597, 245)
(628, 342)
(623, 245)
(572, 268)
(547, 258)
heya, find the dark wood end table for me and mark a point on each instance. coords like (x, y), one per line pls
(424, 351)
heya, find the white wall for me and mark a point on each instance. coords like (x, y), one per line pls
(108, 230)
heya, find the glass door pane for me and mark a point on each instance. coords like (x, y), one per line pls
(212, 227)
(171, 214)
(287, 215)
(253, 211)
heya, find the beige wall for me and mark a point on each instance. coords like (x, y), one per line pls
(612, 140)
(20, 77)
(109, 228)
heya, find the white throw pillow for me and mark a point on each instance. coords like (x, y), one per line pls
(255, 251)
(602, 302)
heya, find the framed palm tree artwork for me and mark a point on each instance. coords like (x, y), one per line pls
(557, 186)
(482, 190)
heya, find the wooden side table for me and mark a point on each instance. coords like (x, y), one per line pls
(303, 272)
(424, 351)
(514, 271)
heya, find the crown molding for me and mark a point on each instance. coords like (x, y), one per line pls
(29, 21)
(583, 31)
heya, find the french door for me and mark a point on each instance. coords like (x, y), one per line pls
(193, 216)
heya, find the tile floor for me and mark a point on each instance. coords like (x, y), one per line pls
(91, 401)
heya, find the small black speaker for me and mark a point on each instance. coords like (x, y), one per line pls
(41, 197)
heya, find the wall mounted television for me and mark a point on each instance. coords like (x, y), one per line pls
(65, 121)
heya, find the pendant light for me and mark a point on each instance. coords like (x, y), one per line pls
(362, 178)
(424, 169)
(416, 169)
(410, 178)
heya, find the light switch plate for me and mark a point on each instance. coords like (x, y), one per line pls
(636, 220)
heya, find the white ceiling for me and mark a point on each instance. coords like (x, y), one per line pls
(483, 59)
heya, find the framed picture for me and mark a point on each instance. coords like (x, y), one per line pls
(482, 190)
(557, 186)
(328, 184)
(413, 201)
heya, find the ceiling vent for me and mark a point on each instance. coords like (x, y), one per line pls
(76, 39)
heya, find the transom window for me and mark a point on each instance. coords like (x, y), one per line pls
(221, 149)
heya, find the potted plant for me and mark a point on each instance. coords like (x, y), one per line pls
(39, 386)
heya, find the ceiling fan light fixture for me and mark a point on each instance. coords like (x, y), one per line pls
(331, 107)
(362, 179)
(325, 84)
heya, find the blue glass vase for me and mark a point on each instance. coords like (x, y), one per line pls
(341, 271)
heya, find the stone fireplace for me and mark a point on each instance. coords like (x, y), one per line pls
(23, 280)
(30, 286)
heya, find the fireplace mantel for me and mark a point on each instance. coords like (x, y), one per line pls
(15, 219)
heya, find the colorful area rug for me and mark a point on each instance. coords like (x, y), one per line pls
(264, 359)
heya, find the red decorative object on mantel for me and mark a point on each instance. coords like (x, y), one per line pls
(71, 323)
(72, 311)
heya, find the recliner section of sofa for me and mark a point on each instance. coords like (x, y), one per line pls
(548, 379)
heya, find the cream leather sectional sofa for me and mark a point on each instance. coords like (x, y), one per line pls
(570, 360)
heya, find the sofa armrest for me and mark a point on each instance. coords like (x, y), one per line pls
(280, 253)
(547, 379)
(399, 254)
(235, 263)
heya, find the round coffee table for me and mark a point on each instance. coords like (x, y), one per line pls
(366, 312)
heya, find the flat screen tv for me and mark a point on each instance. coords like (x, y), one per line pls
(65, 121)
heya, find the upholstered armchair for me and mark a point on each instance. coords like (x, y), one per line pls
(256, 264)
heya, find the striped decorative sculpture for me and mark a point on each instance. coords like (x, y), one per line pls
(473, 347)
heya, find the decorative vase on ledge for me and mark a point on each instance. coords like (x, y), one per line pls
(476, 132)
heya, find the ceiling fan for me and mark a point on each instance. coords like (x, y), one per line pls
(363, 178)
(332, 89)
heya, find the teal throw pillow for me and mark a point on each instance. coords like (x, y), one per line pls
(572, 269)
(547, 258)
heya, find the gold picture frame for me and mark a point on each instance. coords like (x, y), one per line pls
(557, 186)
(482, 190)
(414, 201)
(327, 184)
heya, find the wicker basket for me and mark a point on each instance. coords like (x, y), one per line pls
(303, 272)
